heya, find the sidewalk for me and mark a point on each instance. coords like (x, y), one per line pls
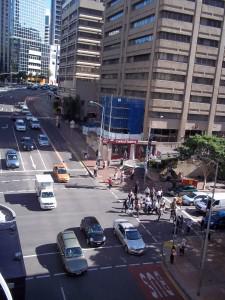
(186, 269)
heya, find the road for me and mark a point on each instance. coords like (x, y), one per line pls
(112, 274)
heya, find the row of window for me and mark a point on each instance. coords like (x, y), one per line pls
(111, 61)
(143, 22)
(138, 58)
(109, 76)
(139, 76)
(141, 40)
(176, 16)
(115, 16)
(142, 4)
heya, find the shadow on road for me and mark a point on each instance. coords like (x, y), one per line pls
(28, 200)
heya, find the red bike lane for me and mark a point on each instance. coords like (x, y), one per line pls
(154, 282)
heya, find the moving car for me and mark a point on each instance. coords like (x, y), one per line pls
(34, 123)
(25, 109)
(45, 191)
(14, 116)
(193, 197)
(182, 190)
(12, 160)
(43, 140)
(218, 203)
(27, 143)
(129, 236)
(217, 220)
(71, 253)
(20, 125)
(29, 116)
(93, 231)
(60, 173)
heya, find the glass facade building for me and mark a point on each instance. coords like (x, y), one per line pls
(27, 49)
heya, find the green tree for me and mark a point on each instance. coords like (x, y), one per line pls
(71, 108)
(205, 150)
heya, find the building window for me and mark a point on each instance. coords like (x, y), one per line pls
(174, 37)
(172, 57)
(111, 47)
(221, 101)
(166, 115)
(208, 43)
(109, 76)
(197, 117)
(113, 32)
(138, 58)
(143, 75)
(167, 96)
(110, 61)
(132, 93)
(143, 22)
(108, 90)
(176, 16)
(141, 40)
(115, 16)
(205, 61)
(210, 22)
(142, 4)
(222, 82)
(201, 80)
(219, 119)
(113, 3)
(217, 3)
(169, 77)
(200, 99)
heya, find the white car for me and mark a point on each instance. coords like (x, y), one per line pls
(34, 123)
(193, 197)
(25, 109)
(129, 236)
(29, 116)
(43, 140)
(20, 125)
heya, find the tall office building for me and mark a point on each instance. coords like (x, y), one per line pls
(55, 25)
(81, 35)
(47, 26)
(24, 41)
(4, 35)
(171, 55)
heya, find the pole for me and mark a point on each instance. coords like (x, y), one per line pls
(110, 115)
(101, 130)
(205, 247)
(147, 156)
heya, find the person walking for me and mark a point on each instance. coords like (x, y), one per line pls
(137, 206)
(122, 177)
(110, 182)
(125, 206)
(95, 171)
(116, 175)
(136, 188)
(173, 254)
(132, 174)
(183, 246)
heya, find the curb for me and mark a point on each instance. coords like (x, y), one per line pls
(175, 282)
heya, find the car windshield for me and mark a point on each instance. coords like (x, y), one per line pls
(95, 228)
(191, 195)
(35, 121)
(73, 252)
(133, 235)
(47, 194)
(12, 157)
(27, 139)
(62, 171)
(43, 138)
(20, 123)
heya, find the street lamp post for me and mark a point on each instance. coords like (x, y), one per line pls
(205, 247)
(101, 128)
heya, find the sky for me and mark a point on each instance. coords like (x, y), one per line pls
(48, 3)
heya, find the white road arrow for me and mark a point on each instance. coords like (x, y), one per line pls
(33, 164)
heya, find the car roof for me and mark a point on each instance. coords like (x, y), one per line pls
(42, 135)
(91, 220)
(20, 120)
(34, 119)
(70, 239)
(60, 165)
(11, 151)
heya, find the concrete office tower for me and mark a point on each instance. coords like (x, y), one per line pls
(25, 37)
(4, 35)
(47, 26)
(55, 27)
(170, 54)
(81, 35)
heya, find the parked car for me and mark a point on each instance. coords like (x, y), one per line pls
(218, 203)
(71, 253)
(60, 173)
(129, 236)
(43, 140)
(20, 125)
(182, 190)
(27, 143)
(29, 116)
(193, 197)
(12, 160)
(25, 109)
(93, 231)
(217, 220)
(14, 116)
(34, 123)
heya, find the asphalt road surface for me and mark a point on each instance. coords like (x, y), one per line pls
(112, 274)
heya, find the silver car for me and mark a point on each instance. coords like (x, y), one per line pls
(43, 140)
(129, 236)
(71, 253)
(12, 160)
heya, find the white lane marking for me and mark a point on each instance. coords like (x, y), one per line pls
(41, 254)
(32, 161)
(149, 233)
(59, 274)
(63, 293)
(56, 152)
(42, 160)
(18, 149)
(42, 276)
(93, 269)
(114, 194)
(17, 180)
(134, 265)
(105, 268)
(29, 278)
(0, 162)
(148, 263)
(120, 266)
(17, 192)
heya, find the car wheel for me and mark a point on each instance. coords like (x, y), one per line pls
(126, 249)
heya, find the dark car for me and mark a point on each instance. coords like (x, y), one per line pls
(182, 190)
(93, 231)
(27, 143)
(217, 220)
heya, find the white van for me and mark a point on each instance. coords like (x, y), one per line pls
(45, 193)
(217, 203)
